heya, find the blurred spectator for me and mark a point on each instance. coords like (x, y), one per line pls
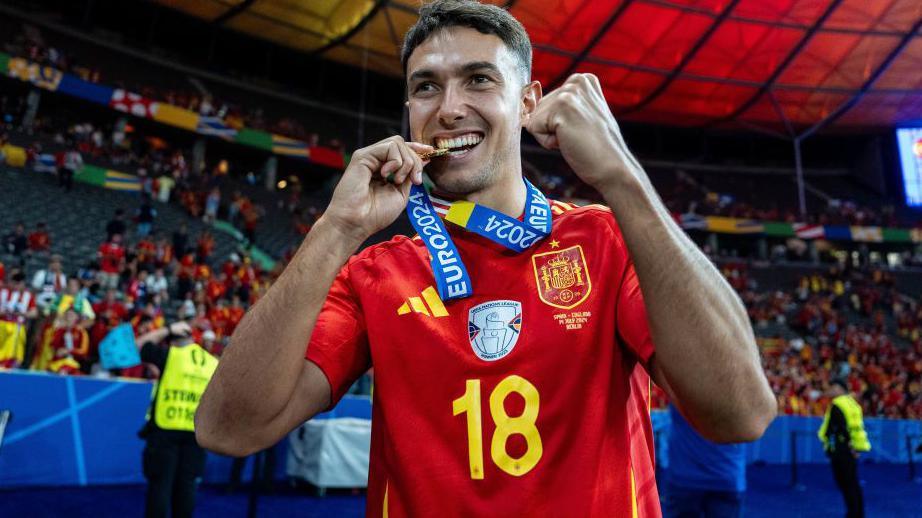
(165, 185)
(16, 242)
(158, 284)
(145, 216)
(74, 298)
(72, 164)
(204, 247)
(111, 256)
(39, 239)
(17, 310)
(69, 344)
(212, 202)
(49, 282)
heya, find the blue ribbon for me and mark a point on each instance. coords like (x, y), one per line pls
(450, 274)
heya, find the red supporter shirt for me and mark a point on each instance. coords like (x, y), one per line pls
(528, 398)
(111, 257)
(39, 241)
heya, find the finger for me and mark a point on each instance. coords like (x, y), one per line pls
(539, 125)
(418, 148)
(391, 158)
(410, 163)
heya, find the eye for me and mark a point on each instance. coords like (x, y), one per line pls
(424, 87)
(480, 79)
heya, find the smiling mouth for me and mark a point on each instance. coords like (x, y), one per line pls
(456, 146)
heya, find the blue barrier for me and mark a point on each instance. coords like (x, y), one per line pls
(77, 431)
(887, 436)
(71, 431)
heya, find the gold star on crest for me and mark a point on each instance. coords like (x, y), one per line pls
(554, 243)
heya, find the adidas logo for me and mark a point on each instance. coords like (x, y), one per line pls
(431, 307)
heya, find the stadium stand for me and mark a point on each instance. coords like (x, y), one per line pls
(822, 307)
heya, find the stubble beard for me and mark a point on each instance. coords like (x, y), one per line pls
(466, 183)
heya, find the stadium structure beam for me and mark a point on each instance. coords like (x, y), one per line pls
(792, 54)
(353, 31)
(798, 158)
(689, 56)
(772, 23)
(714, 79)
(576, 60)
(232, 12)
(797, 139)
(884, 65)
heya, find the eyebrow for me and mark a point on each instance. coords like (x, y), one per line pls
(473, 66)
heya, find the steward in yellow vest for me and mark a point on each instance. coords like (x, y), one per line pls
(844, 437)
(850, 437)
(173, 461)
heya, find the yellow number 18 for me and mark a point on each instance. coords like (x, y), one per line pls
(506, 426)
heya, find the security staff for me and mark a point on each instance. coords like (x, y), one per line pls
(843, 436)
(173, 461)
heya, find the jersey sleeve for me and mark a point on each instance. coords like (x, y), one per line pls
(632, 325)
(633, 328)
(339, 344)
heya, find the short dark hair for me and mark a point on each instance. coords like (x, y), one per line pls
(484, 18)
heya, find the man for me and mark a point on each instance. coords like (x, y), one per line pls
(16, 242)
(49, 282)
(173, 462)
(705, 479)
(545, 414)
(17, 310)
(40, 240)
(111, 255)
(69, 345)
(73, 163)
(843, 436)
(146, 214)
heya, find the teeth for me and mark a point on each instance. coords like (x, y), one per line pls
(464, 140)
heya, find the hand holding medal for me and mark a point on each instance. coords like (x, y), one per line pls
(375, 186)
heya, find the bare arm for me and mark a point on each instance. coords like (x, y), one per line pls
(263, 386)
(706, 357)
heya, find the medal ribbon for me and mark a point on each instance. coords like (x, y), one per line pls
(451, 276)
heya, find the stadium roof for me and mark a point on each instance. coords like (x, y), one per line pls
(764, 63)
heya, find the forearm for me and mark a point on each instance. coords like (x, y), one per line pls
(258, 372)
(705, 347)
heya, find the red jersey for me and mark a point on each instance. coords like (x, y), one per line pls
(39, 241)
(528, 398)
(15, 305)
(111, 255)
(234, 316)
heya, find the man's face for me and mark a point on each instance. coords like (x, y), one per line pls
(71, 318)
(465, 92)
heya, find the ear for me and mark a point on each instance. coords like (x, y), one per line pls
(531, 96)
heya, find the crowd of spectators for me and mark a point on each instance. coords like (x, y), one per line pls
(30, 44)
(64, 316)
(836, 212)
(163, 169)
(848, 325)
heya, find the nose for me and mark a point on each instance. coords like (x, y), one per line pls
(453, 107)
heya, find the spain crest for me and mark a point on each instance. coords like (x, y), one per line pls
(562, 277)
